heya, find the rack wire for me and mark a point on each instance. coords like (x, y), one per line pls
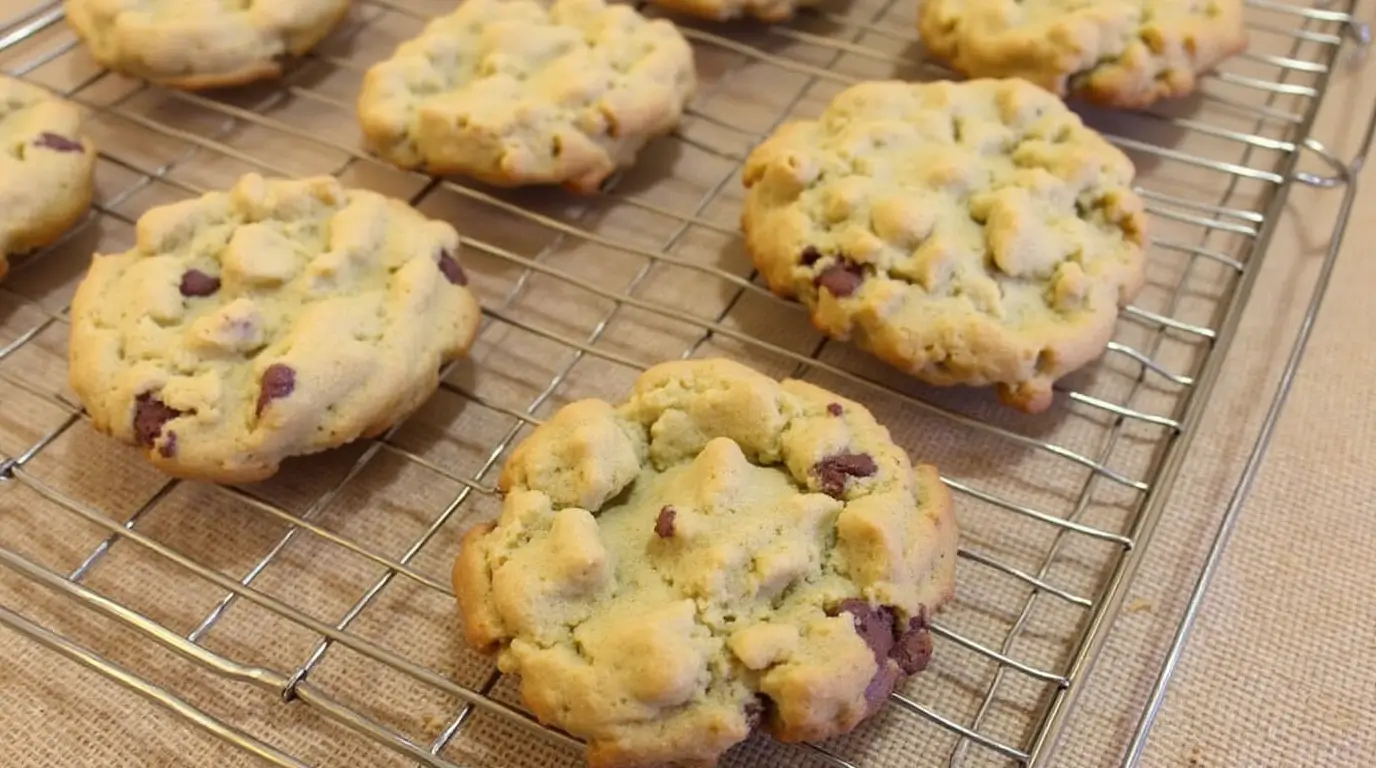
(327, 587)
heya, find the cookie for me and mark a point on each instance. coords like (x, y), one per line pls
(966, 233)
(1120, 53)
(197, 44)
(46, 167)
(722, 552)
(512, 93)
(276, 319)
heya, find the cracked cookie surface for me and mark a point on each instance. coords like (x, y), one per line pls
(513, 93)
(194, 44)
(275, 319)
(46, 167)
(719, 553)
(965, 233)
(1121, 53)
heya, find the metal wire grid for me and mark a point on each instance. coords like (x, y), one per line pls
(1037, 562)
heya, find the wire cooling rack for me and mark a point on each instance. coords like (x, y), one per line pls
(308, 620)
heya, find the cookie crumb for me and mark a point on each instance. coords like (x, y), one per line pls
(1138, 605)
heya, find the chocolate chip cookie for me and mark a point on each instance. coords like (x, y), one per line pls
(966, 233)
(512, 93)
(720, 553)
(275, 319)
(1121, 53)
(46, 167)
(195, 44)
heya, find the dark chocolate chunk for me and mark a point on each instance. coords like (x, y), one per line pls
(874, 625)
(913, 649)
(451, 269)
(834, 471)
(168, 449)
(664, 524)
(757, 709)
(150, 414)
(881, 685)
(834, 409)
(58, 143)
(278, 382)
(841, 278)
(197, 283)
(810, 255)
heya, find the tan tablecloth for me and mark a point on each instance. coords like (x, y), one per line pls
(1278, 672)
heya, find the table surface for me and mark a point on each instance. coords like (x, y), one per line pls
(1278, 671)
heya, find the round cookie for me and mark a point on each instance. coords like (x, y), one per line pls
(197, 44)
(722, 552)
(1120, 53)
(275, 319)
(46, 168)
(512, 93)
(966, 233)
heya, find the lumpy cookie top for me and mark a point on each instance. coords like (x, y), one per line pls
(275, 319)
(971, 233)
(1125, 53)
(45, 167)
(201, 43)
(511, 92)
(719, 553)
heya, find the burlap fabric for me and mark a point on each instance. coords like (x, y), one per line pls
(1276, 674)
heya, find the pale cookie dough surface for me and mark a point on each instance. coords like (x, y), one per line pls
(721, 552)
(513, 93)
(195, 44)
(966, 233)
(275, 319)
(1122, 53)
(46, 167)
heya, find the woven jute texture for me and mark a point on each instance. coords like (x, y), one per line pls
(1277, 673)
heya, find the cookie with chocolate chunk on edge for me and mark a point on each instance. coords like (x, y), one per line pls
(973, 233)
(46, 182)
(274, 319)
(720, 553)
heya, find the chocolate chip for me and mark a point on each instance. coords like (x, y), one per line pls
(58, 143)
(874, 625)
(168, 449)
(451, 269)
(841, 278)
(834, 471)
(756, 709)
(664, 524)
(881, 685)
(278, 381)
(809, 256)
(913, 649)
(150, 414)
(197, 283)
(834, 409)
